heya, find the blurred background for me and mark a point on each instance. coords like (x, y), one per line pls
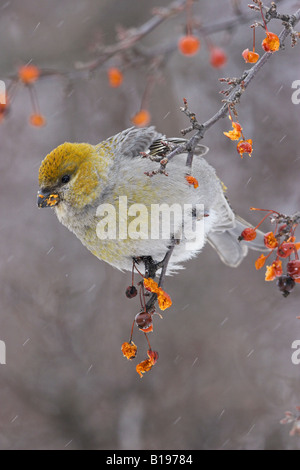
(224, 377)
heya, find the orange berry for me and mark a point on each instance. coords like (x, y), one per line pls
(271, 43)
(142, 118)
(37, 120)
(28, 74)
(248, 234)
(189, 45)
(218, 58)
(250, 56)
(244, 146)
(115, 77)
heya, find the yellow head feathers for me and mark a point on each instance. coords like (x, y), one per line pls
(65, 159)
(86, 168)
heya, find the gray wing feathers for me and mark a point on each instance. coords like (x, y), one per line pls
(131, 142)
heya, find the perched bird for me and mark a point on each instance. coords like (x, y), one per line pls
(85, 183)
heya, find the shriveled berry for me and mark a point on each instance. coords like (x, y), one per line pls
(285, 249)
(285, 284)
(153, 356)
(293, 268)
(144, 321)
(248, 234)
(244, 146)
(131, 292)
(270, 240)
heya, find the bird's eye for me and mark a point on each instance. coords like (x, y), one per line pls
(65, 179)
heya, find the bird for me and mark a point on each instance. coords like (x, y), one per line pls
(90, 188)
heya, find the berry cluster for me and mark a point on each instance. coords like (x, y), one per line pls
(244, 145)
(27, 75)
(144, 319)
(282, 245)
(271, 43)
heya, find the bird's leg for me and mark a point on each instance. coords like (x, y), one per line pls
(150, 266)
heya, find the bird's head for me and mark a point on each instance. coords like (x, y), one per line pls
(71, 173)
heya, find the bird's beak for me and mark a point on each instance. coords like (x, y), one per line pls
(47, 199)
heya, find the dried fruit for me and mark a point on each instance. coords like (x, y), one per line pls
(270, 240)
(151, 285)
(147, 365)
(245, 146)
(163, 299)
(285, 285)
(144, 321)
(129, 350)
(260, 262)
(143, 367)
(285, 249)
(248, 234)
(236, 132)
(153, 356)
(293, 268)
(270, 273)
(131, 292)
(189, 45)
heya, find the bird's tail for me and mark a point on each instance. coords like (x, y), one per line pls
(229, 248)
